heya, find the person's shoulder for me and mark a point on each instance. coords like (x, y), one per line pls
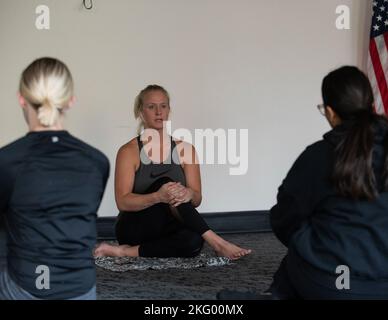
(318, 146)
(129, 148)
(131, 144)
(322, 146)
(93, 153)
(315, 154)
(13, 150)
(128, 153)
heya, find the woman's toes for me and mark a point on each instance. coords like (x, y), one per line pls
(103, 249)
(247, 252)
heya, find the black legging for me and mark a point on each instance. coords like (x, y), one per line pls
(159, 233)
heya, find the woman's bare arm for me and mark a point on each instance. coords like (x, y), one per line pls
(127, 162)
(190, 164)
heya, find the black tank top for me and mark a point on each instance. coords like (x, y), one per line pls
(149, 171)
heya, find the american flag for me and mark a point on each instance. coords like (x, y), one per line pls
(378, 55)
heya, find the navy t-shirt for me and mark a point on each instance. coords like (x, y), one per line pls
(51, 186)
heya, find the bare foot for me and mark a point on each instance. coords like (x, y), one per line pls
(231, 251)
(224, 248)
(107, 250)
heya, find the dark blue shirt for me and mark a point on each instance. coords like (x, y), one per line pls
(51, 186)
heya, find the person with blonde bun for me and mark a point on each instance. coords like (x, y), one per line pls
(51, 185)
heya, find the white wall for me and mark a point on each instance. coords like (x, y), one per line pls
(253, 64)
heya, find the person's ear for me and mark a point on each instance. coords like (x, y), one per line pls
(72, 101)
(332, 117)
(22, 101)
(24, 105)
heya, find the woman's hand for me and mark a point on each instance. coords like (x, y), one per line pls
(164, 193)
(179, 194)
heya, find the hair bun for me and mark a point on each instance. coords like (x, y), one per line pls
(48, 113)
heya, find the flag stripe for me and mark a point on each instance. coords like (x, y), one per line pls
(382, 48)
(379, 73)
(379, 108)
(385, 40)
(381, 44)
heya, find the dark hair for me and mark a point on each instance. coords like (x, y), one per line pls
(349, 93)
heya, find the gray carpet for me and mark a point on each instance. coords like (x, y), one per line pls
(250, 273)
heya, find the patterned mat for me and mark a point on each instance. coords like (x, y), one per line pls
(123, 264)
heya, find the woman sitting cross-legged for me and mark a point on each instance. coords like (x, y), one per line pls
(157, 199)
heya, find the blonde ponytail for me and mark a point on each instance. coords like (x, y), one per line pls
(48, 113)
(47, 85)
(137, 112)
